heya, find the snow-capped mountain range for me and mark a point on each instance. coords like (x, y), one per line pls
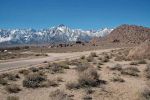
(60, 33)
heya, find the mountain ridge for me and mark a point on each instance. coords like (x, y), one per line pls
(60, 33)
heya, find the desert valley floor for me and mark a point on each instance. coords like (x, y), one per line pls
(105, 74)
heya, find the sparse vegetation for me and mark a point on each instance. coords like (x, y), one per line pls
(34, 80)
(88, 77)
(133, 71)
(56, 68)
(13, 88)
(12, 98)
(82, 67)
(90, 58)
(72, 85)
(59, 95)
(93, 54)
(116, 67)
(87, 97)
(147, 71)
(24, 71)
(142, 61)
(117, 79)
(3, 81)
(82, 57)
(134, 63)
(145, 94)
(34, 69)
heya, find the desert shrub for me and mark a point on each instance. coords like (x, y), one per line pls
(88, 78)
(87, 97)
(116, 67)
(24, 71)
(64, 64)
(45, 61)
(72, 85)
(93, 54)
(3, 81)
(34, 69)
(142, 61)
(41, 54)
(33, 80)
(147, 71)
(99, 67)
(82, 57)
(133, 71)
(12, 77)
(59, 79)
(90, 58)
(56, 68)
(89, 90)
(105, 59)
(117, 79)
(75, 62)
(120, 58)
(82, 67)
(145, 94)
(13, 88)
(100, 63)
(133, 63)
(59, 95)
(12, 98)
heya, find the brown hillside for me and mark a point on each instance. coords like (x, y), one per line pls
(140, 52)
(128, 34)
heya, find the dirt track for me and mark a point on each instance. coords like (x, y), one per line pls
(10, 65)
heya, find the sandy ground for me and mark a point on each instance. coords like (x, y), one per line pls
(128, 90)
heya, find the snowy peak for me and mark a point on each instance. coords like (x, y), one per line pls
(60, 33)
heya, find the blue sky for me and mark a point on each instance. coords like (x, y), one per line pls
(84, 14)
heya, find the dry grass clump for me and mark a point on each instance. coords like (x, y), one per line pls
(147, 71)
(72, 85)
(90, 58)
(34, 69)
(104, 59)
(133, 71)
(93, 54)
(34, 80)
(82, 57)
(145, 94)
(58, 67)
(13, 77)
(120, 58)
(12, 98)
(87, 97)
(116, 67)
(13, 88)
(10, 76)
(24, 71)
(89, 90)
(41, 54)
(117, 79)
(134, 63)
(59, 95)
(142, 61)
(3, 81)
(88, 77)
(82, 67)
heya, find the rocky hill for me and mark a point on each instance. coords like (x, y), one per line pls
(127, 34)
